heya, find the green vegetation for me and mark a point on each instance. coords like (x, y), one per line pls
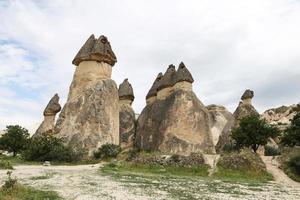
(290, 162)
(12, 190)
(5, 164)
(271, 151)
(107, 151)
(242, 166)
(49, 148)
(14, 139)
(146, 169)
(253, 132)
(291, 136)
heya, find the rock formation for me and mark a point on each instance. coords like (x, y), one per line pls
(174, 120)
(244, 109)
(90, 116)
(126, 115)
(47, 126)
(219, 117)
(281, 116)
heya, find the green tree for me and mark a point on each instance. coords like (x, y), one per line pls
(291, 136)
(14, 139)
(253, 132)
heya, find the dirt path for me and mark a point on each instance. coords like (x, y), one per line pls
(279, 176)
(81, 182)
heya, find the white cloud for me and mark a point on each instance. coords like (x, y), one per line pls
(227, 45)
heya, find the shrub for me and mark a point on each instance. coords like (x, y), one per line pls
(271, 151)
(10, 183)
(230, 147)
(294, 163)
(291, 136)
(107, 151)
(5, 165)
(133, 153)
(49, 148)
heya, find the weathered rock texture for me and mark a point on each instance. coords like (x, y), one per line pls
(90, 116)
(281, 116)
(219, 117)
(47, 126)
(176, 121)
(244, 109)
(127, 115)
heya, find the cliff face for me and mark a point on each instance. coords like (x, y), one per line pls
(90, 116)
(219, 117)
(245, 108)
(176, 122)
(281, 116)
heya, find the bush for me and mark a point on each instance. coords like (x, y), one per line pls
(230, 147)
(288, 162)
(294, 163)
(10, 183)
(133, 153)
(107, 151)
(291, 136)
(271, 151)
(49, 148)
(5, 165)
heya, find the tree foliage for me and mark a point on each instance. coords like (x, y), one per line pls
(253, 132)
(49, 148)
(291, 135)
(107, 151)
(14, 139)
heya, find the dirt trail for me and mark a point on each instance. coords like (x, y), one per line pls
(279, 176)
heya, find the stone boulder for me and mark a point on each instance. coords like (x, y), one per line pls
(245, 108)
(219, 117)
(90, 117)
(47, 126)
(176, 122)
(126, 115)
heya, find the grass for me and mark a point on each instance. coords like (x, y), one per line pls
(20, 192)
(124, 167)
(182, 183)
(242, 175)
(286, 155)
(5, 165)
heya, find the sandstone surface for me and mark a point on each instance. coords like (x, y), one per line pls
(90, 117)
(50, 111)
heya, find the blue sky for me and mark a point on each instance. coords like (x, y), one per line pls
(228, 46)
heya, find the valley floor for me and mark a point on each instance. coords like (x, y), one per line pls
(86, 182)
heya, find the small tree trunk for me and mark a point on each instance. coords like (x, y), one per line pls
(14, 154)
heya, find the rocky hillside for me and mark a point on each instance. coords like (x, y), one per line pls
(281, 116)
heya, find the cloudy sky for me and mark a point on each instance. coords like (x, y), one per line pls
(228, 46)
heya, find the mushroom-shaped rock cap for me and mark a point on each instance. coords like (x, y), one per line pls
(53, 106)
(96, 50)
(125, 90)
(153, 90)
(183, 74)
(248, 94)
(168, 80)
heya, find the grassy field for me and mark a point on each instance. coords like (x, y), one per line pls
(20, 192)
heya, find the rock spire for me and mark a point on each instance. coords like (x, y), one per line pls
(183, 74)
(126, 91)
(153, 90)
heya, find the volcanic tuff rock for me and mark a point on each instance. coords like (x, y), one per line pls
(90, 116)
(281, 116)
(126, 115)
(50, 111)
(244, 109)
(219, 117)
(152, 94)
(178, 123)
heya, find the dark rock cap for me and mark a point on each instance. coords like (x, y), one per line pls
(125, 90)
(248, 94)
(96, 50)
(183, 74)
(53, 106)
(153, 90)
(168, 80)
